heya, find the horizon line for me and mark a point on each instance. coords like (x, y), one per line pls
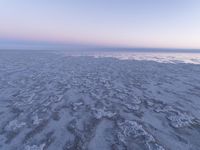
(52, 43)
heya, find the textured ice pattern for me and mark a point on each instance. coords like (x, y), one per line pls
(131, 130)
(52, 101)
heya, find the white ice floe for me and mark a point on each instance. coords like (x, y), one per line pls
(34, 147)
(131, 130)
(181, 120)
(100, 113)
(76, 105)
(132, 106)
(30, 99)
(36, 120)
(14, 125)
(176, 117)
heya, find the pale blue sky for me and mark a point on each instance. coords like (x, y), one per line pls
(126, 23)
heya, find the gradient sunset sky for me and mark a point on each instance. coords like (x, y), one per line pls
(119, 23)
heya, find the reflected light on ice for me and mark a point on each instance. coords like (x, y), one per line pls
(161, 57)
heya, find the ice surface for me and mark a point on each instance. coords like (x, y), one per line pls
(53, 100)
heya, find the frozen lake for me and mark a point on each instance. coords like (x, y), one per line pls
(99, 100)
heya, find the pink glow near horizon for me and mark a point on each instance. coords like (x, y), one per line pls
(132, 23)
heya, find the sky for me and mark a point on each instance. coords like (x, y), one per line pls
(117, 23)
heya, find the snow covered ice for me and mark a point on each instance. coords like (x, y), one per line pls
(56, 100)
